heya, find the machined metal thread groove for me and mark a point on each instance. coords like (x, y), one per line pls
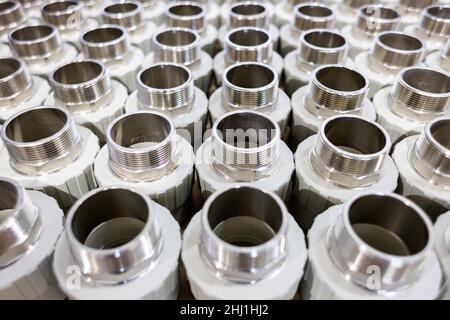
(312, 16)
(128, 14)
(177, 45)
(374, 19)
(65, 15)
(14, 78)
(35, 42)
(249, 85)
(397, 50)
(186, 14)
(435, 20)
(11, 15)
(248, 14)
(106, 43)
(166, 87)
(248, 44)
(420, 91)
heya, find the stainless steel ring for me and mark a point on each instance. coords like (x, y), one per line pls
(128, 14)
(248, 14)
(65, 15)
(435, 20)
(11, 15)
(312, 16)
(375, 18)
(186, 14)
(15, 81)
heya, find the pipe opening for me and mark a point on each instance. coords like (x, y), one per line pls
(77, 72)
(9, 199)
(249, 37)
(400, 41)
(103, 35)
(325, 39)
(31, 33)
(8, 67)
(176, 38)
(440, 131)
(439, 12)
(379, 13)
(427, 80)
(248, 9)
(60, 6)
(315, 11)
(164, 76)
(341, 79)
(118, 8)
(7, 5)
(187, 10)
(250, 76)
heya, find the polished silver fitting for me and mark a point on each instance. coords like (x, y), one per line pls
(177, 45)
(245, 145)
(243, 234)
(375, 18)
(250, 85)
(15, 82)
(248, 44)
(36, 42)
(12, 15)
(384, 234)
(336, 89)
(414, 6)
(393, 51)
(312, 16)
(82, 86)
(420, 94)
(65, 15)
(20, 225)
(320, 47)
(435, 21)
(166, 87)
(186, 14)
(248, 14)
(114, 235)
(41, 140)
(430, 155)
(350, 151)
(128, 14)
(106, 43)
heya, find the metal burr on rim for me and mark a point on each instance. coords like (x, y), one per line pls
(245, 145)
(350, 151)
(320, 47)
(430, 155)
(41, 140)
(311, 16)
(127, 14)
(107, 43)
(35, 42)
(21, 224)
(384, 231)
(248, 44)
(132, 244)
(336, 89)
(177, 45)
(396, 50)
(248, 14)
(375, 18)
(65, 15)
(166, 87)
(249, 85)
(420, 94)
(257, 248)
(11, 15)
(186, 14)
(82, 86)
(435, 20)
(15, 81)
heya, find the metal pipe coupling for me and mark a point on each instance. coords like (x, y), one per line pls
(15, 83)
(347, 11)
(248, 14)
(12, 16)
(434, 26)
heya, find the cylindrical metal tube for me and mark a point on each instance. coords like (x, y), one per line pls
(186, 14)
(35, 42)
(15, 80)
(83, 86)
(128, 14)
(166, 87)
(435, 20)
(130, 246)
(249, 85)
(248, 44)
(350, 151)
(177, 45)
(41, 140)
(248, 14)
(384, 231)
(245, 145)
(142, 146)
(243, 234)
(420, 94)
(374, 19)
(65, 15)
(11, 15)
(312, 15)
(430, 156)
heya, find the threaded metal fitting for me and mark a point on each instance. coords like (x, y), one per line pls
(177, 45)
(82, 86)
(420, 94)
(166, 87)
(384, 231)
(430, 155)
(21, 224)
(128, 14)
(249, 85)
(11, 15)
(336, 89)
(243, 234)
(320, 47)
(65, 15)
(414, 6)
(374, 19)
(186, 14)
(107, 43)
(41, 140)
(246, 145)
(15, 82)
(248, 14)
(350, 151)
(37, 42)
(114, 243)
(312, 16)
(435, 21)
(248, 44)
